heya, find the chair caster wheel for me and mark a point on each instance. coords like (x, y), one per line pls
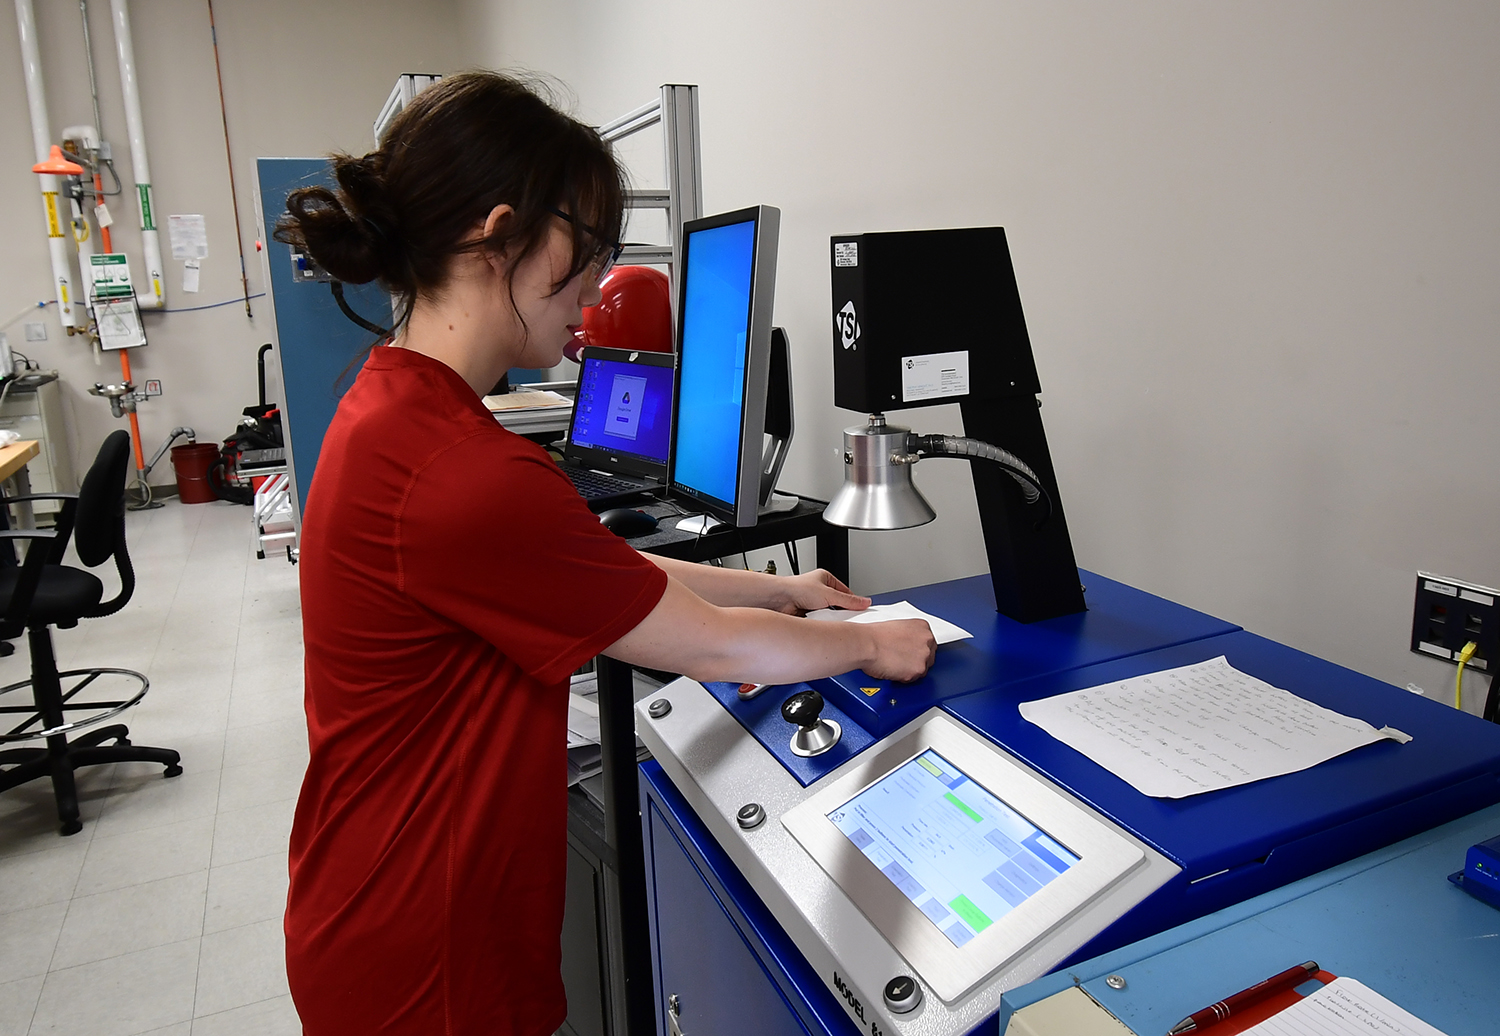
(172, 771)
(72, 827)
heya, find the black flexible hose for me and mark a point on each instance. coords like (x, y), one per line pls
(975, 449)
(337, 287)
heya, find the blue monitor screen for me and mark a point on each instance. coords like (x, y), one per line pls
(711, 379)
(624, 408)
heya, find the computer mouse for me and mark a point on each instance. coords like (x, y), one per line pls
(627, 522)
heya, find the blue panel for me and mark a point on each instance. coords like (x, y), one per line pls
(316, 342)
(681, 854)
(1275, 831)
(1389, 920)
(1121, 621)
(761, 716)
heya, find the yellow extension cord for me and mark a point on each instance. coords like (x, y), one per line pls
(1458, 682)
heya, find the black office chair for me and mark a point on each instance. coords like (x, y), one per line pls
(43, 592)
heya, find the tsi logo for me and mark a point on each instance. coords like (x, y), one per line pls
(848, 325)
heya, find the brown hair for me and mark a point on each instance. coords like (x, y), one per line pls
(462, 146)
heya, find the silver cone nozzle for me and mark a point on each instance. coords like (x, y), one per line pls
(877, 492)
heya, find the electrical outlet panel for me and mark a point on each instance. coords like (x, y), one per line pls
(1449, 613)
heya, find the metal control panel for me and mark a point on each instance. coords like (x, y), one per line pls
(870, 943)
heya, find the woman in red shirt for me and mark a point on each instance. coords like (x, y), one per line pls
(452, 579)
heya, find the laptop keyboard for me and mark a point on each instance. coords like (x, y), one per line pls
(594, 484)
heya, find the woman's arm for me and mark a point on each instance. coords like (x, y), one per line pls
(686, 634)
(736, 588)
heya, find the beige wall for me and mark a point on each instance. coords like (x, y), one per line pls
(300, 78)
(1257, 244)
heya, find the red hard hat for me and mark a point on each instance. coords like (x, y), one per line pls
(635, 313)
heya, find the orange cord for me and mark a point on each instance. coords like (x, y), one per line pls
(135, 425)
(103, 231)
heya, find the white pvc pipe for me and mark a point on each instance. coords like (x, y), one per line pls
(150, 294)
(36, 95)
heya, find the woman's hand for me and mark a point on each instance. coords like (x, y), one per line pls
(811, 591)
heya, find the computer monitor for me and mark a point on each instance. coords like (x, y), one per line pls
(726, 291)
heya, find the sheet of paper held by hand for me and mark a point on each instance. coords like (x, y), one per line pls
(1199, 728)
(944, 631)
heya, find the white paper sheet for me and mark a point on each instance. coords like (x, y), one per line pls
(583, 721)
(1344, 1007)
(188, 235)
(190, 274)
(1199, 728)
(944, 631)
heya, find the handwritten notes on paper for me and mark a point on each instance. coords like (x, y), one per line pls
(1344, 1007)
(1199, 728)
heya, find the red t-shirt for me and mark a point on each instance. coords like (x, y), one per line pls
(452, 579)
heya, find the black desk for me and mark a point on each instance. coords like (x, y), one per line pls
(805, 521)
(622, 850)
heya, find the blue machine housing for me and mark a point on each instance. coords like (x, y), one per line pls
(1240, 842)
(1121, 621)
(1232, 844)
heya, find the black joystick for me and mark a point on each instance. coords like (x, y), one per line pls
(815, 735)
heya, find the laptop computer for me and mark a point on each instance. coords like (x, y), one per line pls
(619, 434)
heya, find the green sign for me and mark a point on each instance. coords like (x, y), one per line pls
(109, 276)
(148, 221)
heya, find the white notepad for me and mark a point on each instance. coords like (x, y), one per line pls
(1344, 1007)
(1199, 728)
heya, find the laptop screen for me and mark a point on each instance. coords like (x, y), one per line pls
(624, 407)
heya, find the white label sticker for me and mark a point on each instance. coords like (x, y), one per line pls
(846, 253)
(190, 275)
(934, 376)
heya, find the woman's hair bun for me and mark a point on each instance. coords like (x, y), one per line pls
(343, 231)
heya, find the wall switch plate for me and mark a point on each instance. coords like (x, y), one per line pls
(1451, 612)
(36, 331)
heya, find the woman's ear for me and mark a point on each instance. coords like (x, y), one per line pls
(496, 220)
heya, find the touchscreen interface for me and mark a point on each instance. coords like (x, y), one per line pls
(963, 856)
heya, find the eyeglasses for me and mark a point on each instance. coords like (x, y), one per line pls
(605, 262)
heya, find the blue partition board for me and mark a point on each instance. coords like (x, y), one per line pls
(1389, 919)
(316, 343)
(1240, 842)
(1120, 621)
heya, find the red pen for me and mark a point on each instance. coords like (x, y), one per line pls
(1245, 998)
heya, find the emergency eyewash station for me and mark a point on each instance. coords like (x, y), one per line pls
(1090, 766)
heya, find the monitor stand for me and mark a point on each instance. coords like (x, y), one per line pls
(778, 425)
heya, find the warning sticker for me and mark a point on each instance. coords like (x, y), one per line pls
(846, 253)
(934, 376)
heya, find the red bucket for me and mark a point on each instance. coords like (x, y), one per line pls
(191, 463)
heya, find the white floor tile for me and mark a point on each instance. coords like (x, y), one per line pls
(144, 798)
(241, 966)
(118, 861)
(27, 939)
(122, 996)
(259, 783)
(261, 742)
(247, 834)
(135, 918)
(17, 1004)
(247, 892)
(37, 878)
(275, 1017)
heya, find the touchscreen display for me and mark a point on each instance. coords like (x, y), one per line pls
(963, 856)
